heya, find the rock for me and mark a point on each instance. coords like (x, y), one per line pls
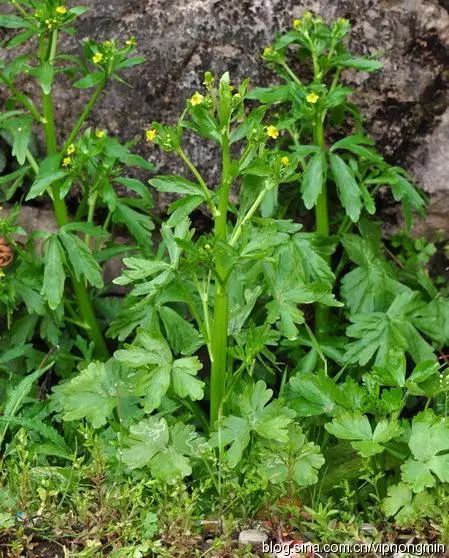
(405, 103)
(253, 537)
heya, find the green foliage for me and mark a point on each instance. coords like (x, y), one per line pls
(235, 347)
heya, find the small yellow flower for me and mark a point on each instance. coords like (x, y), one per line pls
(97, 58)
(285, 161)
(151, 134)
(108, 44)
(1, 273)
(61, 10)
(67, 161)
(196, 99)
(131, 42)
(312, 98)
(268, 51)
(272, 132)
(100, 133)
(71, 149)
(296, 23)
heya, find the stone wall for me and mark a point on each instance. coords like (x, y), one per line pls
(406, 104)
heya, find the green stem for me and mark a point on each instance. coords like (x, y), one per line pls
(32, 161)
(200, 179)
(61, 214)
(291, 73)
(239, 228)
(219, 341)
(84, 115)
(321, 223)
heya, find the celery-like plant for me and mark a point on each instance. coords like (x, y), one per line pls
(313, 111)
(88, 164)
(216, 279)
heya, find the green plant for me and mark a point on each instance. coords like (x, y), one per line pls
(348, 171)
(88, 163)
(220, 376)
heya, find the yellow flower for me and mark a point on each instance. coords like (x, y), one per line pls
(61, 10)
(196, 99)
(131, 42)
(151, 134)
(67, 161)
(97, 58)
(312, 98)
(1, 273)
(100, 134)
(285, 161)
(296, 23)
(108, 44)
(268, 51)
(71, 149)
(272, 132)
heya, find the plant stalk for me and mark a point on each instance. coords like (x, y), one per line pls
(219, 341)
(321, 223)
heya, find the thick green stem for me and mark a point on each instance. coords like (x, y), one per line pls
(321, 223)
(60, 208)
(219, 341)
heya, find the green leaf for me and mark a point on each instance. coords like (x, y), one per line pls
(296, 460)
(392, 373)
(49, 172)
(184, 382)
(138, 224)
(145, 351)
(313, 394)
(348, 188)
(157, 386)
(16, 397)
(270, 95)
(54, 275)
(350, 427)
(90, 80)
(180, 333)
(399, 496)
(82, 260)
(20, 38)
(357, 63)
(177, 185)
(182, 208)
(313, 179)
(289, 290)
(406, 507)
(357, 428)
(45, 74)
(21, 129)
(97, 391)
(168, 465)
(138, 187)
(429, 444)
(13, 22)
(267, 420)
(130, 62)
(371, 286)
(379, 332)
(165, 451)
(146, 439)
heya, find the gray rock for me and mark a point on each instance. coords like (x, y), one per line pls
(405, 103)
(252, 537)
